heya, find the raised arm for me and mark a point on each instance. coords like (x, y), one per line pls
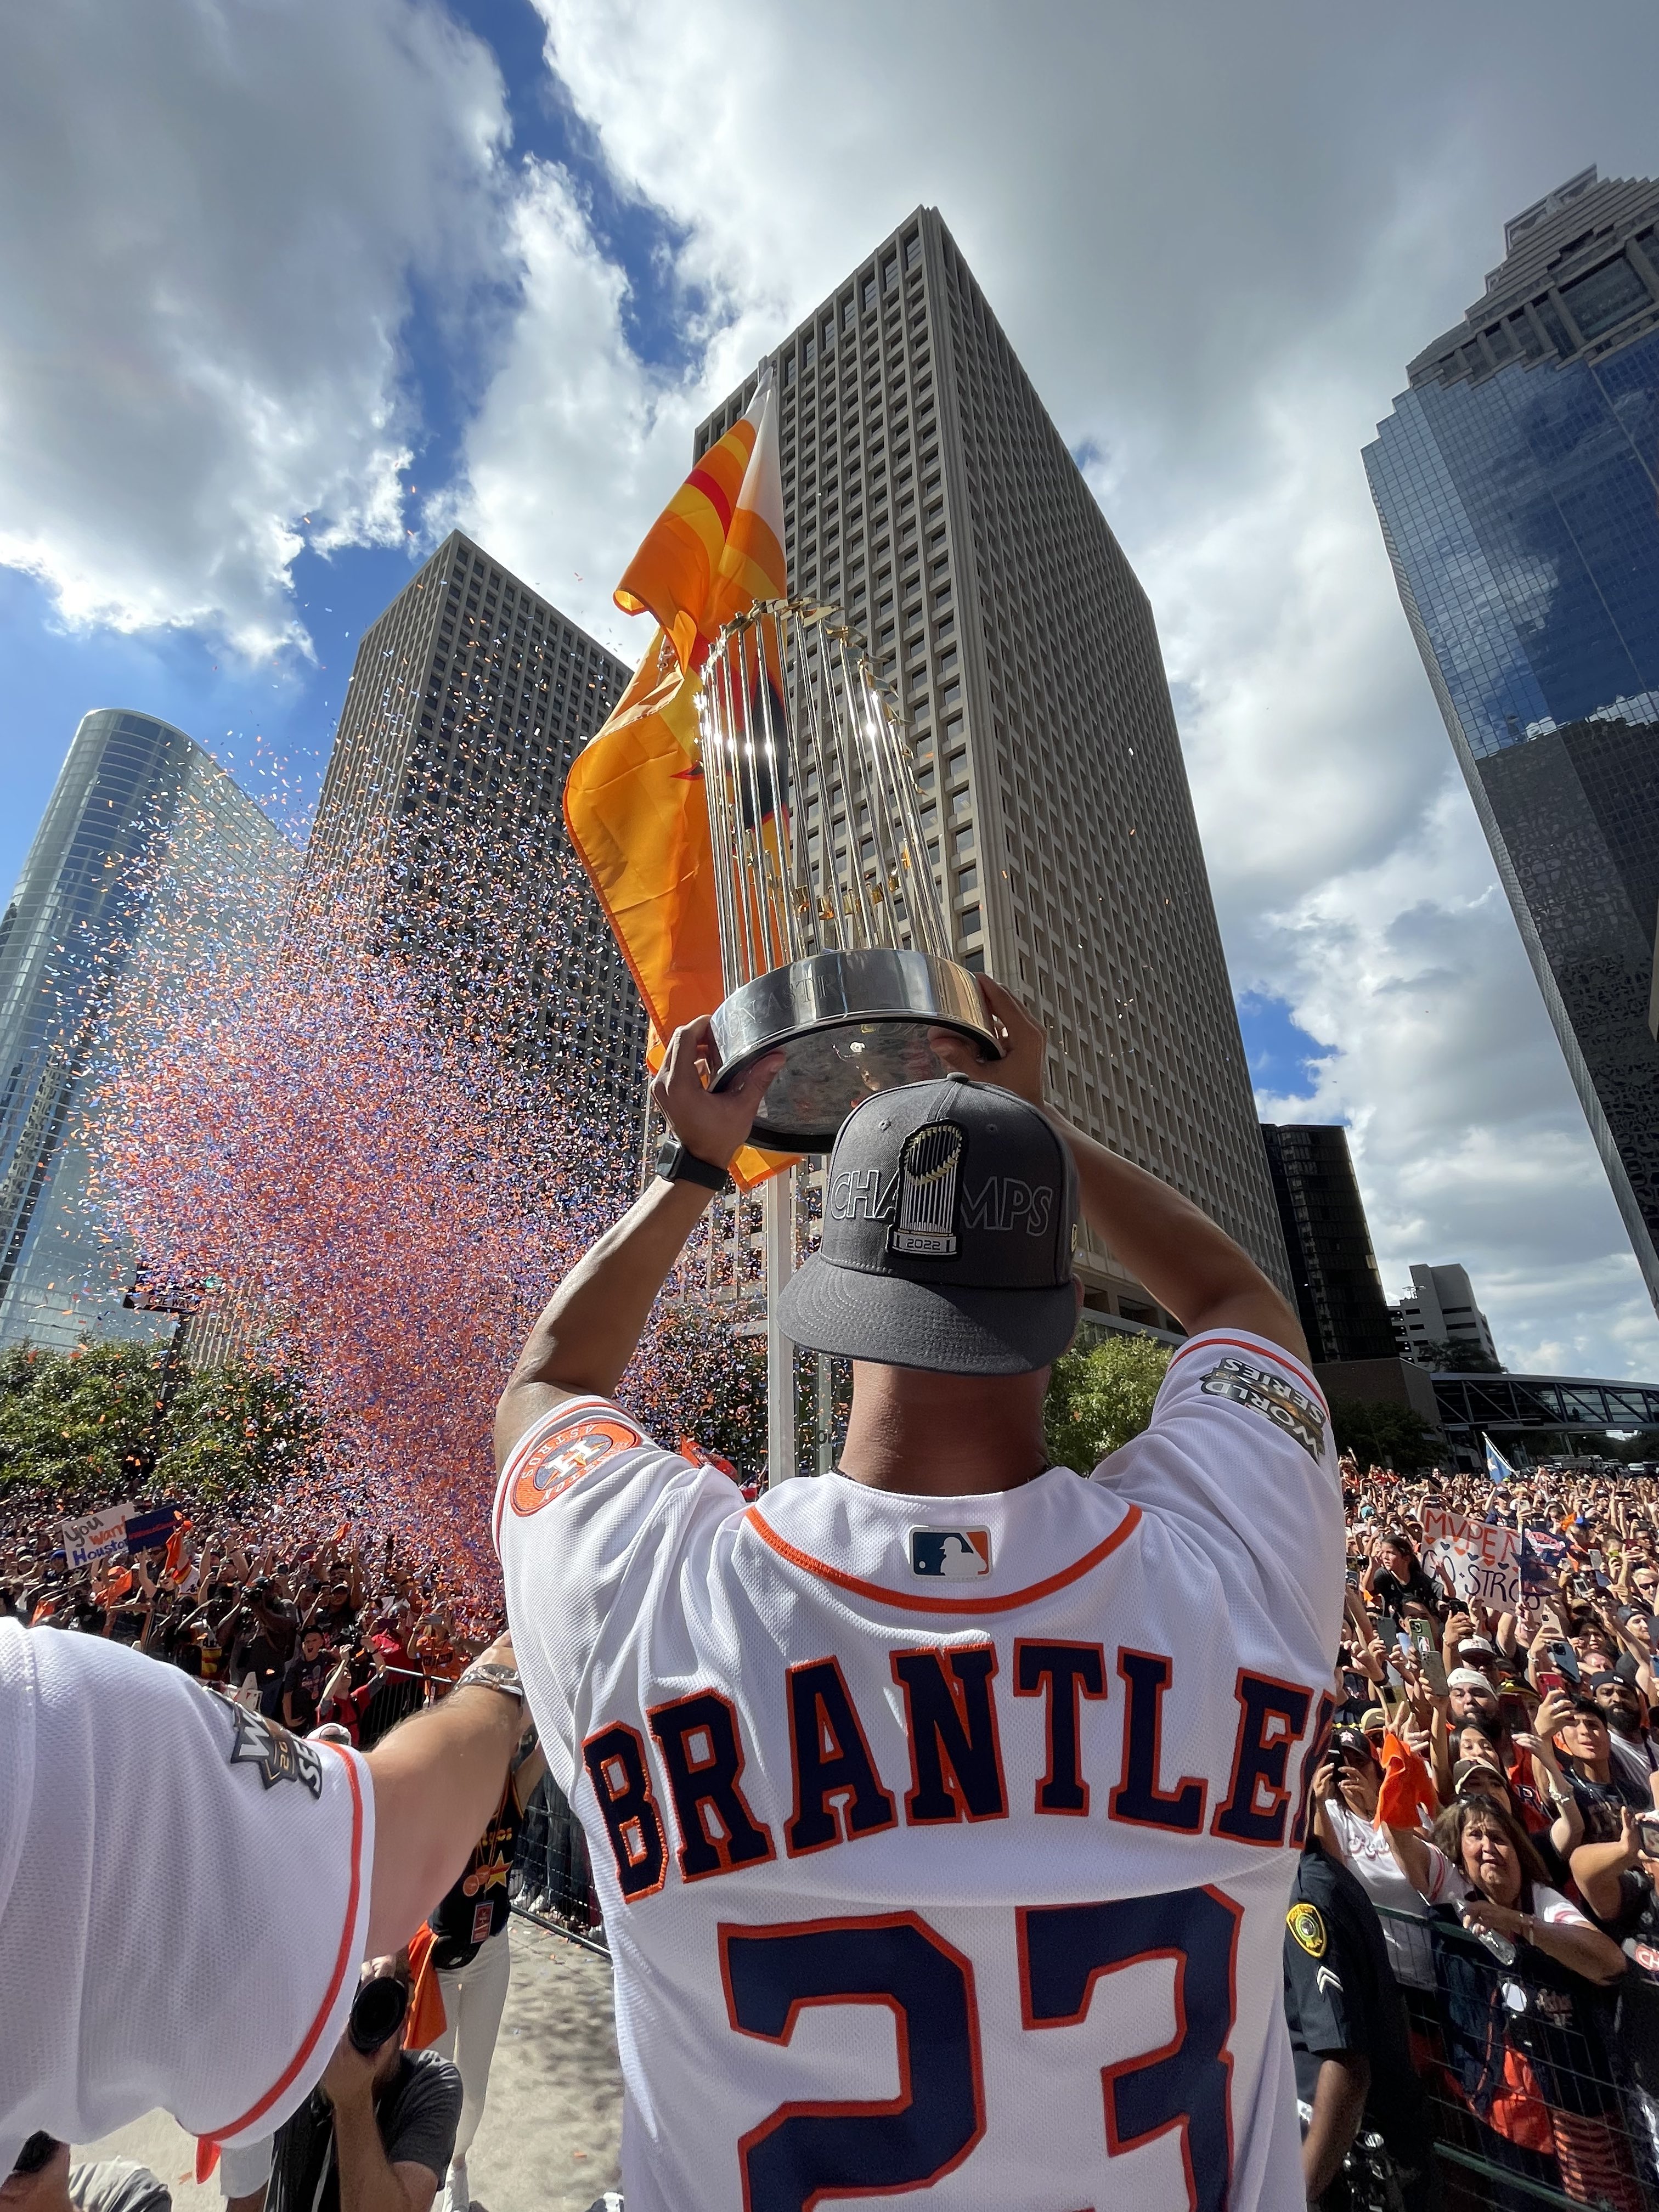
(1411, 1855)
(1597, 1867)
(593, 1321)
(1186, 1263)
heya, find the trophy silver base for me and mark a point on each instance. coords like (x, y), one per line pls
(850, 1023)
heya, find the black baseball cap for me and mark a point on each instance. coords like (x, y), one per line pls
(950, 1215)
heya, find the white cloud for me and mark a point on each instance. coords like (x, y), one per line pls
(576, 444)
(214, 213)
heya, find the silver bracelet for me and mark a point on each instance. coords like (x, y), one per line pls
(491, 1674)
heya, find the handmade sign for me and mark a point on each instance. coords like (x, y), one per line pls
(90, 1536)
(1482, 1558)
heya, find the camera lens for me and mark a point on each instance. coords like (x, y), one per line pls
(377, 2011)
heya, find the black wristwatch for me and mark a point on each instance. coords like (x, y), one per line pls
(675, 1164)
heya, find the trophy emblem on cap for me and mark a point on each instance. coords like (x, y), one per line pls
(927, 1192)
(833, 941)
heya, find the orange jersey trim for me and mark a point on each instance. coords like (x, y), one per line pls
(915, 1602)
(344, 1961)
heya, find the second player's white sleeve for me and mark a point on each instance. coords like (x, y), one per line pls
(592, 1525)
(184, 1897)
(1238, 1460)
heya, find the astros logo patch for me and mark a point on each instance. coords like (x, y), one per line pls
(953, 1555)
(567, 1455)
(1307, 1923)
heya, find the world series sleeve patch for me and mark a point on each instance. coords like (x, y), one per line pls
(1267, 1393)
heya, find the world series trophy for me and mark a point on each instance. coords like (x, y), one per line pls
(833, 941)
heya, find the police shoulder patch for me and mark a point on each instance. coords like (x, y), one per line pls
(569, 1449)
(1307, 1923)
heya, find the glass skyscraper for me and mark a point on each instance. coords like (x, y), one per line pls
(135, 795)
(1517, 481)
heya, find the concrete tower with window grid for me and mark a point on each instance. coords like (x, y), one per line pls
(927, 490)
(468, 699)
(1339, 1288)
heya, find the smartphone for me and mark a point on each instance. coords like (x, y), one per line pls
(1647, 1834)
(1433, 1669)
(1547, 1681)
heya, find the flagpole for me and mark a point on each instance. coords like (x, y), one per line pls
(778, 1215)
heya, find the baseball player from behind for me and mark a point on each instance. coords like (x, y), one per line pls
(944, 1809)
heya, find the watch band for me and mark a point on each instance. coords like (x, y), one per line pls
(490, 1674)
(675, 1164)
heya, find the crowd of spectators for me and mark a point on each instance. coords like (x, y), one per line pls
(310, 1627)
(1492, 1785)
(331, 1637)
(1482, 1830)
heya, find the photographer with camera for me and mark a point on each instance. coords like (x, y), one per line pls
(376, 2133)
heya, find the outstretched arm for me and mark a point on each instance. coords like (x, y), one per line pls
(593, 1321)
(438, 1777)
(1186, 1263)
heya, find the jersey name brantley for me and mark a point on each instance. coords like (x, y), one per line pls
(979, 1737)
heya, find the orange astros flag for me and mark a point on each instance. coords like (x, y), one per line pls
(634, 802)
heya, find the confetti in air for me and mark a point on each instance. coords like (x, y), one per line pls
(347, 1134)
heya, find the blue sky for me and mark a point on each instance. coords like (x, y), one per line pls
(313, 283)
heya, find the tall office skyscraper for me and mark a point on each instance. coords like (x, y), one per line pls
(1339, 1287)
(927, 490)
(133, 793)
(1517, 481)
(468, 698)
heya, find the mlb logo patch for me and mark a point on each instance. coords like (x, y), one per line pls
(950, 1555)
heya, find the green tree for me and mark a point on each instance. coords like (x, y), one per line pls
(1098, 1399)
(232, 1429)
(79, 1425)
(1379, 1433)
(95, 1425)
(1456, 1359)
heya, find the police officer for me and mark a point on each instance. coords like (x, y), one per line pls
(1353, 2072)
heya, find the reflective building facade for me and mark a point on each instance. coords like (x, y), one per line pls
(928, 490)
(1517, 481)
(83, 931)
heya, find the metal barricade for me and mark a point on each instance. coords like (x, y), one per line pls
(552, 1881)
(1541, 2084)
(399, 1693)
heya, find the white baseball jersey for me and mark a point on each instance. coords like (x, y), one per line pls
(943, 1844)
(184, 1897)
